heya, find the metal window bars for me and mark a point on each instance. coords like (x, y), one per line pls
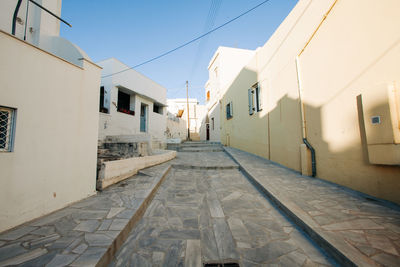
(6, 129)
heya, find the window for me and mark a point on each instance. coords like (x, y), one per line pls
(157, 108)
(212, 124)
(250, 94)
(124, 103)
(258, 98)
(7, 122)
(102, 108)
(208, 95)
(254, 95)
(229, 110)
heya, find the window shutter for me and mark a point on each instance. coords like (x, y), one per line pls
(251, 106)
(231, 109)
(258, 96)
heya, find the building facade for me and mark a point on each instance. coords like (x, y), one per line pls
(48, 117)
(223, 67)
(322, 96)
(131, 104)
(178, 107)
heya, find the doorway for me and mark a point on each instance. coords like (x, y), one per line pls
(207, 131)
(143, 117)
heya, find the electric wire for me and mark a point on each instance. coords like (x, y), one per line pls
(189, 42)
(212, 15)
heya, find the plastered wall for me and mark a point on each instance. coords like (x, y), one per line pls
(54, 159)
(355, 49)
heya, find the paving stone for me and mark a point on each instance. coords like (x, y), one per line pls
(87, 226)
(10, 251)
(90, 257)
(44, 231)
(73, 245)
(126, 214)
(118, 224)
(98, 240)
(294, 258)
(215, 208)
(269, 252)
(114, 211)
(224, 239)
(386, 259)
(21, 258)
(17, 233)
(158, 258)
(172, 254)
(41, 241)
(138, 260)
(61, 260)
(209, 248)
(39, 261)
(105, 225)
(193, 253)
(238, 229)
(191, 223)
(62, 242)
(181, 234)
(382, 243)
(80, 249)
(363, 224)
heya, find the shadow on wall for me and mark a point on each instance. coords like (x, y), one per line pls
(337, 134)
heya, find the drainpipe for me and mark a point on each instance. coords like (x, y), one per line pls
(14, 22)
(303, 118)
(303, 121)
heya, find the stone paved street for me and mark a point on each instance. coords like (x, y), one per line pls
(81, 234)
(210, 216)
(212, 206)
(363, 229)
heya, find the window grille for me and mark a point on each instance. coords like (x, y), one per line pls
(6, 129)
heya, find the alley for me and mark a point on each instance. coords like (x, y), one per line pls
(206, 211)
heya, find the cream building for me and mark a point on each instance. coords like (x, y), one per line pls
(131, 104)
(329, 79)
(48, 116)
(223, 67)
(178, 107)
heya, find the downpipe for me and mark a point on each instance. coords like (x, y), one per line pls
(303, 122)
(14, 21)
(313, 162)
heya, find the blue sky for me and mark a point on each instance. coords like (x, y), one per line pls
(134, 31)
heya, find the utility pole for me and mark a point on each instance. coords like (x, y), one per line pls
(187, 102)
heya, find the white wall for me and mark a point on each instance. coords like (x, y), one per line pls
(55, 149)
(143, 90)
(39, 23)
(228, 62)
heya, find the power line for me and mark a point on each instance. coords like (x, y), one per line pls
(189, 42)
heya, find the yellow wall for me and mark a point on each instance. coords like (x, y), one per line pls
(355, 50)
(55, 149)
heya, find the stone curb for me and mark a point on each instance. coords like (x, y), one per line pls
(185, 167)
(123, 235)
(315, 234)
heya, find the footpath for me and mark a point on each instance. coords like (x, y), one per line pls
(353, 228)
(87, 233)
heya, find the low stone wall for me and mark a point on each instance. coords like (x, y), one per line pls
(112, 172)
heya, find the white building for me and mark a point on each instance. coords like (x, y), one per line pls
(178, 106)
(49, 93)
(225, 64)
(131, 104)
